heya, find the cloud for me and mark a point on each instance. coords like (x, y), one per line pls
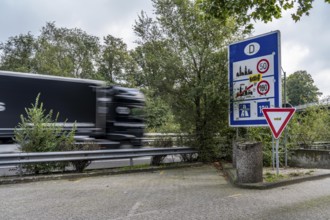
(97, 17)
(305, 44)
(322, 79)
(293, 54)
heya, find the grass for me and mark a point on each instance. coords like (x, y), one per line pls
(270, 176)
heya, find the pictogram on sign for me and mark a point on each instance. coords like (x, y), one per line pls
(244, 110)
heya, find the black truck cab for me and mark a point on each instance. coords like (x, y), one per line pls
(120, 114)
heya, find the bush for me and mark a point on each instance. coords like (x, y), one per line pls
(39, 132)
(310, 126)
(80, 165)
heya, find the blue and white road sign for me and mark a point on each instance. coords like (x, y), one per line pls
(254, 79)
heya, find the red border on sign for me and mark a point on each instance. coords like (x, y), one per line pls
(267, 89)
(267, 66)
(278, 133)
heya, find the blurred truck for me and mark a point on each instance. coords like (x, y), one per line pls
(109, 115)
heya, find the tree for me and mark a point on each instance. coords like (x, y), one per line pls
(115, 64)
(183, 58)
(66, 52)
(301, 88)
(17, 54)
(243, 11)
(310, 126)
(71, 53)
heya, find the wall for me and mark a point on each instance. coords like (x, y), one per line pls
(311, 158)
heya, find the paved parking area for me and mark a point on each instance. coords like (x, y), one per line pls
(185, 193)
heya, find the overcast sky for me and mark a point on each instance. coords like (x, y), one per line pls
(305, 44)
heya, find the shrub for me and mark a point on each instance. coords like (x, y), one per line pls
(39, 132)
(80, 165)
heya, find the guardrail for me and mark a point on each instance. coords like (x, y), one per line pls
(175, 138)
(317, 145)
(26, 158)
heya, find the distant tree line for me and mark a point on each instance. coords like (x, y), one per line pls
(67, 52)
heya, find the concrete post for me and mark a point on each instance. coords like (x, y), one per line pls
(249, 162)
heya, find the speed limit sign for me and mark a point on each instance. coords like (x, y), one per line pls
(263, 87)
(263, 66)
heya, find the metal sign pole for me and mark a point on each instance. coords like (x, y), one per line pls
(277, 157)
(273, 152)
(285, 130)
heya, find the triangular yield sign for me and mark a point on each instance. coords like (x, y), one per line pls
(278, 118)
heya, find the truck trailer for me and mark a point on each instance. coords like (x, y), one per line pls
(108, 115)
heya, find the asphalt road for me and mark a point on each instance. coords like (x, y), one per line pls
(9, 148)
(186, 193)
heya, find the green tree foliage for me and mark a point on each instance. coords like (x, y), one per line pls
(301, 88)
(116, 64)
(38, 132)
(184, 60)
(66, 52)
(17, 54)
(309, 126)
(159, 116)
(243, 11)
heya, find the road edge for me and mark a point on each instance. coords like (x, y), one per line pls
(90, 173)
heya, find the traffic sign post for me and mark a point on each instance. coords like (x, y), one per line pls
(254, 79)
(277, 119)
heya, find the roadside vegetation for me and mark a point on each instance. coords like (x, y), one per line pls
(39, 131)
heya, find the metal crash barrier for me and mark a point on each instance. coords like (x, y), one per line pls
(26, 158)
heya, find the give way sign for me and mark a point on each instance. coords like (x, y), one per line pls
(277, 119)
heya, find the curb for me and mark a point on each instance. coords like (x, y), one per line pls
(89, 173)
(230, 173)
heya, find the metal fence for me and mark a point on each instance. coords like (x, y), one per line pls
(26, 158)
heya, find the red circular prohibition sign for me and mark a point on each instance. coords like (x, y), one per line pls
(263, 87)
(263, 66)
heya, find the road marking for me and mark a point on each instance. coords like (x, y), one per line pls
(133, 209)
(235, 196)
